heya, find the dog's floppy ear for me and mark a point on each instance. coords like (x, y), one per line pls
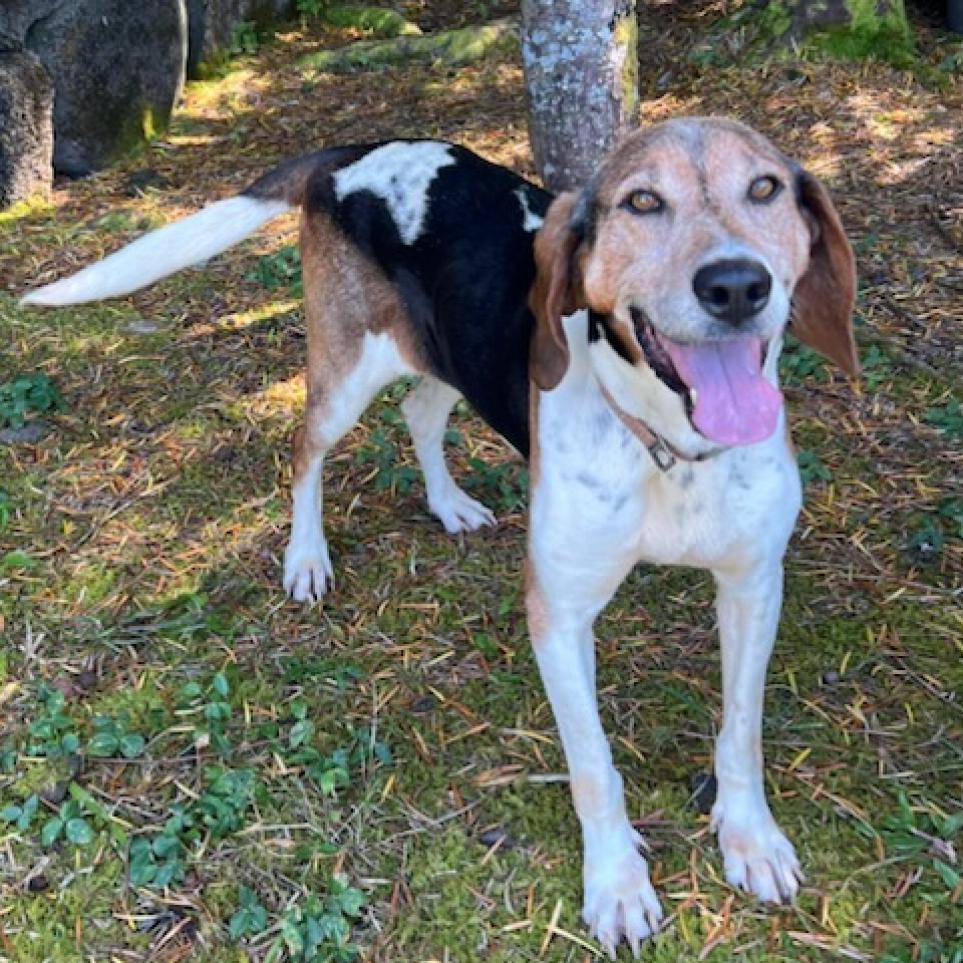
(825, 295)
(557, 291)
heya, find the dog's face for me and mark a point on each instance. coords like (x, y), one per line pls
(692, 248)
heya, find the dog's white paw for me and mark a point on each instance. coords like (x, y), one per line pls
(619, 899)
(758, 857)
(459, 512)
(308, 573)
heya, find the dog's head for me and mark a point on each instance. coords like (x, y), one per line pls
(693, 248)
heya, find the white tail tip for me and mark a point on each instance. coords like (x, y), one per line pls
(162, 252)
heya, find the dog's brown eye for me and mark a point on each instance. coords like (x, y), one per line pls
(764, 188)
(644, 202)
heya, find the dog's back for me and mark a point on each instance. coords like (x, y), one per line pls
(453, 235)
(450, 231)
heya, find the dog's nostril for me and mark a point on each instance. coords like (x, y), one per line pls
(733, 290)
(758, 293)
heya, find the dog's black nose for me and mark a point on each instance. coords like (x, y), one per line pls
(733, 290)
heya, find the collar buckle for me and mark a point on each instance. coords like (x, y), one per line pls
(661, 454)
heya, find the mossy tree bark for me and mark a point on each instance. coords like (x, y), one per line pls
(581, 74)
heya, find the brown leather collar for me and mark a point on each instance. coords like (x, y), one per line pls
(663, 454)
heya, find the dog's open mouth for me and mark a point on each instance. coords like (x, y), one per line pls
(728, 398)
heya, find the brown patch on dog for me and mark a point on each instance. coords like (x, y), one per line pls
(533, 452)
(336, 299)
(345, 296)
(825, 296)
(636, 154)
(630, 255)
(555, 293)
(289, 180)
(299, 454)
(588, 796)
(535, 605)
(335, 322)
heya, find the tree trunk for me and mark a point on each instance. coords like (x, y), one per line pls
(581, 74)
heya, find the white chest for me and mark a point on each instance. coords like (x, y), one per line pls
(597, 476)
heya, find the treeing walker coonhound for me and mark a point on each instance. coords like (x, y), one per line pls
(625, 338)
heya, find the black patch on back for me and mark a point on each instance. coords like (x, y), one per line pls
(464, 281)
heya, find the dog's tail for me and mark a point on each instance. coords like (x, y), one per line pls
(176, 246)
(162, 252)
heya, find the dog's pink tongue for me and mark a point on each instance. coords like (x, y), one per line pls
(735, 404)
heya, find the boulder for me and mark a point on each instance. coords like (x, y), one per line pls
(26, 127)
(118, 69)
(15, 19)
(212, 23)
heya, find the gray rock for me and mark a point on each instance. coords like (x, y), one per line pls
(142, 326)
(16, 16)
(26, 127)
(29, 434)
(118, 69)
(212, 23)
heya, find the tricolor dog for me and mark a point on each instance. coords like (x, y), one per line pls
(625, 338)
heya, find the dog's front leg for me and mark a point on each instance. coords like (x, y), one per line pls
(619, 898)
(758, 857)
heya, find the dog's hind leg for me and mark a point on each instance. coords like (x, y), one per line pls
(333, 407)
(356, 345)
(426, 410)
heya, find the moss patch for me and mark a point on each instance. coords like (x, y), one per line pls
(846, 29)
(454, 47)
(377, 20)
(875, 30)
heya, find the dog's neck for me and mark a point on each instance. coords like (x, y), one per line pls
(639, 395)
(662, 452)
